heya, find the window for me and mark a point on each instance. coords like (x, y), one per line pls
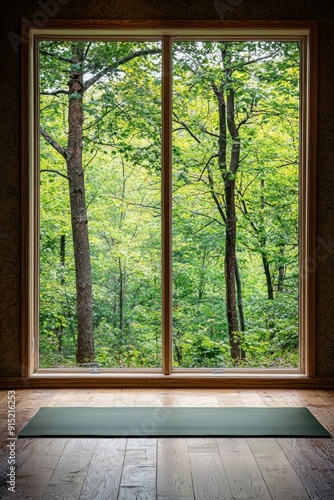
(168, 215)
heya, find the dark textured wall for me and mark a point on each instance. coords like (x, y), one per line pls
(10, 187)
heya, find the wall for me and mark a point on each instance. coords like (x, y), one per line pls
(10, 187)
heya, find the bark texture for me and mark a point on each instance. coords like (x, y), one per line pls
(79, 220)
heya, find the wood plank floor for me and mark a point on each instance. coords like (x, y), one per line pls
(169, 469)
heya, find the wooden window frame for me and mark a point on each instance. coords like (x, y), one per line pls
(306, 34)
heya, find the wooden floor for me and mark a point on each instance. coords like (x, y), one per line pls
(170, 469)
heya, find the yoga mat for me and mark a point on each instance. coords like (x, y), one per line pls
(173, 422)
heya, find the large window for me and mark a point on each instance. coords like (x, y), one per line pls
(170, 188)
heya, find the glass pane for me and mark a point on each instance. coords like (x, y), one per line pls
(235, 204)
(100, 250)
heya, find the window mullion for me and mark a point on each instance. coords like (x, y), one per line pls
(166, 203)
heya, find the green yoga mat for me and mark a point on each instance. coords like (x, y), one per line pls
(173, 422)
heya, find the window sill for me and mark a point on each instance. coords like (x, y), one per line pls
(178, 380)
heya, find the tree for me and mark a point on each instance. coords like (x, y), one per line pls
(84, 73)
(239, 75)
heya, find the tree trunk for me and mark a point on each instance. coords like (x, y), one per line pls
(115, 283)
(265, 262)
(201, 285)
(266, 267)
(227, 121)
(59, 330)
(121, 297)
(231, 297)
(281, 273)
(62, 256)
(176, 348)
(79, 220)
(231, 229)
(239, 297)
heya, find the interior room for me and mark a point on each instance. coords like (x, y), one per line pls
(245, 328)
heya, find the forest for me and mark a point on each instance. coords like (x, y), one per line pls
(235, 203)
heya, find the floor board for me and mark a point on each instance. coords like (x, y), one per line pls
(105, 470)
(281, 479)
(209, 477)
(139, 470)
(244, 476)
(173, 471)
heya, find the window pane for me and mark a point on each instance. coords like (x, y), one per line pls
(100, 285)
(235, 204)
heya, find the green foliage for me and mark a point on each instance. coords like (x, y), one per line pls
(122, 168)
(199, 351)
